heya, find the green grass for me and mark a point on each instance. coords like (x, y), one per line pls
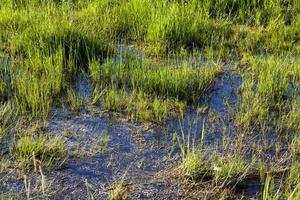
(72, 35)
(32, 151)
(7, 121)
(266, 91)
(140, 106)
(184, 82)
(38, 80)
(74, 101)
(230, 169)
(196, 166)
(203, 165)
(294, 172)
(268, 192)
(48, 43)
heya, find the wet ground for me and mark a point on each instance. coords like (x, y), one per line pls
(105, 149)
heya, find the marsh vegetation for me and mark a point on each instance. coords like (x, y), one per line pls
(144, 99)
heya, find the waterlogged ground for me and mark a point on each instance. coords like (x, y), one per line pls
(105, 149)
(149, 99)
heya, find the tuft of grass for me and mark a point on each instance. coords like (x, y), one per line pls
(4, 76)
(294, 194)
(75, 101)
(185, 25)
(224, 171)
(7, 121)
(184, 82)
(194, 162)
(36, 83)
(196, 166)
(30, 151)
(140, 106)
(266, 93)
(228, 170)
(115, 100)
(268, 192)
(119, 192)
(294, 169)
(145, 108)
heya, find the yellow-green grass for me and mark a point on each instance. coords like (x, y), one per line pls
(269, 94)
(34, 151)
(56, 38)
(140, 106)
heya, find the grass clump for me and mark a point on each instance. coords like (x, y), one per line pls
(268, 192)
(43, 150)
(3, 89)
(145, 108)
(3, 80)
(266, 92)
(118, 192)
(75, 101)
(36, 82)
(7, 115)
(184, 82)
(228, 170)
(140, 106)
(7, 122)
(115, 100)
(294, 170)
(185, 25)
(196, 166)
(291, 119)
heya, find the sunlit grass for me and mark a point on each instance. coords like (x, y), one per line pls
(267, 91)
(140, 106)
(30, 151)
(46, 44)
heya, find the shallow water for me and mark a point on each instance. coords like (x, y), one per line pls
(106, 149)
(132, 154)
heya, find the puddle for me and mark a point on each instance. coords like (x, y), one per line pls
(105, 150)
(133, 153)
